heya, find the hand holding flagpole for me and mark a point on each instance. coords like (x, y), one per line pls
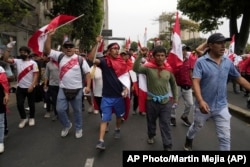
(98, 44)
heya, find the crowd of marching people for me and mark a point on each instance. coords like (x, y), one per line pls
(112, 79)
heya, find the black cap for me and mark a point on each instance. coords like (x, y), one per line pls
(68, 43)
(217, 37)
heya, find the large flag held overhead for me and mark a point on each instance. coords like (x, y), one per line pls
(175, 57)
(36, 41)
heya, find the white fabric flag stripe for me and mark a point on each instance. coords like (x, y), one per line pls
(125, 80)
(177, 47)
(133, 76)
(42, 38)
(142, 82)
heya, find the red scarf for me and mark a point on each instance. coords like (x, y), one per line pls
(165, 66)
(118, 64)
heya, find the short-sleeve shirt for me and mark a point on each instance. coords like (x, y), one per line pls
(72, 79)
(213, 81)
(27, 79)
(112, 87)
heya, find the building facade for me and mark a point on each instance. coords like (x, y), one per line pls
(38, 17)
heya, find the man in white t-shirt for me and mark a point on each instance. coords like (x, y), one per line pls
(70, 83)
(27, 77)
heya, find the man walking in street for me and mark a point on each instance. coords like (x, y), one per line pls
(71, 70)
(210, 75)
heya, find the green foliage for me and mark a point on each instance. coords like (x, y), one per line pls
(209, 14)
(87, 27)
(12, 11)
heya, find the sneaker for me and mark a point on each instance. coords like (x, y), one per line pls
(27, 108)
(96, 111)
(31, 122)
(78, 134)
(188, 144)
(23, 123)
(100, 145)
(142, 113)
(185, 121)
(151, 140)
(1, 148)
(65, 131)
(117, 134)
(134, 113)
(47, 115)
(173, 122)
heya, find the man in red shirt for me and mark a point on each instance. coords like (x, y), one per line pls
(184, 80)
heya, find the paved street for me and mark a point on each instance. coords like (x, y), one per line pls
(42, 146)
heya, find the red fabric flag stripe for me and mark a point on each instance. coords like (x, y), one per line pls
(24, 72)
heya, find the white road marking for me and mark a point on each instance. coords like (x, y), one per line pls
(89, 162)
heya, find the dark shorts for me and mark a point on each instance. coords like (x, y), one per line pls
(110, 105)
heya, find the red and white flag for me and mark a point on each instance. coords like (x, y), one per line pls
(127, 44)
(175, 57)
(142, 79)
(36, 41)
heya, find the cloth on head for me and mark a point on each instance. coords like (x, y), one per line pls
(217, 37)
(113, 46)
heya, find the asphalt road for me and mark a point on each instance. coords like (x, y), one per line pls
(42, 146)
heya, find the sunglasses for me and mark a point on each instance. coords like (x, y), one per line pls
(68, 46)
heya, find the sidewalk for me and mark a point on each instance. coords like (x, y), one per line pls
(237, 103)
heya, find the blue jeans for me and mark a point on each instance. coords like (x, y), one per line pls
(222, 123)
(62, 106)
(1, 127)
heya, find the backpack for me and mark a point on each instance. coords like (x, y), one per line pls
(80, 61)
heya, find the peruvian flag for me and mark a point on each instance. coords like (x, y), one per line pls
(231, 49)
(36, 41)
(127, 44)
(142, 92)
(175, 57)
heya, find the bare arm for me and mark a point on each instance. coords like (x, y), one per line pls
(47, 45)
(201, 48)
(91, 55)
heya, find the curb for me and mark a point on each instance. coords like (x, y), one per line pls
(245, 114)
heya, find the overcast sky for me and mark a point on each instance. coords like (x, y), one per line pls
(128, 18)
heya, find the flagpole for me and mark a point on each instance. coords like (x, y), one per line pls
(69, 21)
(98, 43)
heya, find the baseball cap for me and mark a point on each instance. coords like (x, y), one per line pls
(217, 37)
(68, 43)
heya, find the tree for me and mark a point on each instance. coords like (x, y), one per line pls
(209, 13)
(87, 27)
(12, 11)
